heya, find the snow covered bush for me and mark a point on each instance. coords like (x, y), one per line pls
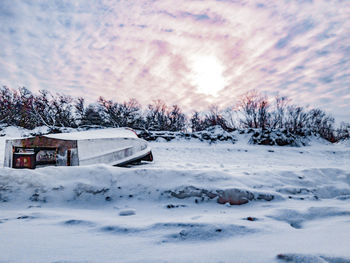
(200, 121)
(343, 132)
(280, 137)
(211, 134)
(160, 117)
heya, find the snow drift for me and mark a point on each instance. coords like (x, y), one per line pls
(98, 184)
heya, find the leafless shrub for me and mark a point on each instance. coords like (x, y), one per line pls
(254, 108)
(160, 117)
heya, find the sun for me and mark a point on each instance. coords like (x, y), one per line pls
(208, 75)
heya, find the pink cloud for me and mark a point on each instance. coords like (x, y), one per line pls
(144, 49)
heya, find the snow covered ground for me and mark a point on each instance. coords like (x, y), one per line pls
(297, 206)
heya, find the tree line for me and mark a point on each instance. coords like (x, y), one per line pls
(25, 109)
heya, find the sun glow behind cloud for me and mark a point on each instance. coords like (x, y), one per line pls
(162, 49)
(208, 75)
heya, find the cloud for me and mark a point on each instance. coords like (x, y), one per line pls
(145, 49)
(294, 31)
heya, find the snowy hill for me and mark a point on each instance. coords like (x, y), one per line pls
(295, 206)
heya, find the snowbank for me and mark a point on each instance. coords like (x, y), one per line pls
(224, 173)
(101, 183)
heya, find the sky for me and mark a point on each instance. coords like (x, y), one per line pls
(191, 53)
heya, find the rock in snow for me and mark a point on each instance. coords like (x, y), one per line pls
(234, 196)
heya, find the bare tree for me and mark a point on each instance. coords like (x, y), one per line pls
(92, 116)
(127, 114)
(214, 117)
(63, 108)
(23, 113)
(296, 119)
(278, 115)
(231, 117)
(248, 106)
(254, 109)
(156, 117)
(196, 122)
(263, 113)
(133, 114)
(79, 110)
(177, 119)
(43, 110)
(6, 105)
(321, 123)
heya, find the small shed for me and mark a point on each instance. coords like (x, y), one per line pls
(114, 146)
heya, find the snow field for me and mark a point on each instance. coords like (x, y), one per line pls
(297, 207)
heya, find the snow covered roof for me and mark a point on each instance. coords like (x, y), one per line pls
(95, 134)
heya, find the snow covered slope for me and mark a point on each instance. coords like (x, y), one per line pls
(181, 208)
